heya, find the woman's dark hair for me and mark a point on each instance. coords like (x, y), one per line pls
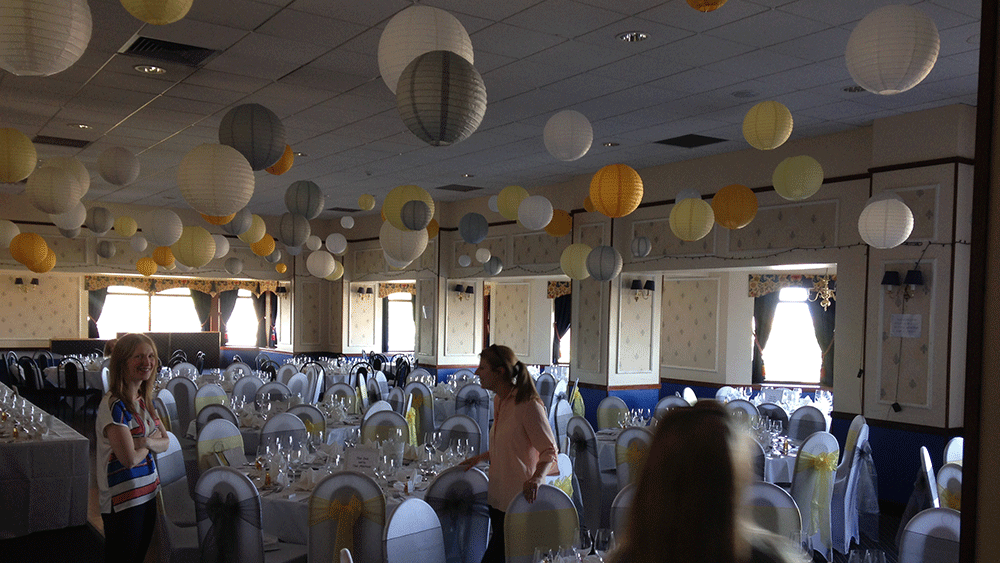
(502, 358)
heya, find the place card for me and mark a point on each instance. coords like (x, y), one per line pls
(360, 458)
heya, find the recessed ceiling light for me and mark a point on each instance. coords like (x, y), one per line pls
(632, 36)
(79, 125)
(854, 89)
(745, 94)
(149, 69)
(296, 153)
(468, 175)
(610, 144)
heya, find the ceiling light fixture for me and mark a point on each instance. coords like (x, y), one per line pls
(632, 36)
(300, 154)
(610, 144)
(854, 89)
(149, 69)
(468, 175)
(79, 125)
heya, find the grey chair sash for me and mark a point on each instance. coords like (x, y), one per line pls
(222, 539)
(459, 510)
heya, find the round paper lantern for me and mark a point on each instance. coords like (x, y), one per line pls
(118, 166)
(433, 228)
(70, 233)
(509, 201)
(73, 167)
(99, 220)
(71, 219)
(604, 263)
(254, 131)
(264, 246)
(280, 268)
(534, 212)
(212, 220)
(706, 5)
(8, 230)
(234, 266)
(885, 222)
(145, 266)
(397, 198)
(568, 135)
(892, 49)
(493, 204)
(338, 272)
(483, 255)
(347, 222)
(106, 249)
(18, 156)
(293, 229)
(464, 261)
(734, 206)
(138, 243)
(284, 163)
(46, 264)
(441, 98)
(641, 247)
(336, 243)
(393, 263)
(493, 266)
(125, 226)
(43, 37)
(163, 256)
(256, 231)
(561, 223)
(314, 242)
(415, 31)
(239, 224)
(53, 190)
(767, 125)
(221, 246)
(574, 261)
(616, 190)
(215, 179)
(692, 219)
(163, 227)
(172, 266)
(797, 177)
(28, 248)
(294, 250)
(305, 198)
(366, 202)
(588, 204)
(404, 246)
(473, 228)
(415, 215)
(158, 12)
(320, 264)
(273, 257)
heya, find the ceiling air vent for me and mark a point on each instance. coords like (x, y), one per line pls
(168, 51)
(343, 209)
(691, 141)
(458, 188)
(59, 141)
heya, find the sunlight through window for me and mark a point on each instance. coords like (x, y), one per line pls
(792, 353)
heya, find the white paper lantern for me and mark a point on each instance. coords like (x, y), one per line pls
(163, 227)
(347, 222)
(138, 243)
(493, 266)
(42, 37)
(534, 213)
(473, 228)
(195, 247)
(415, 214)
(273, 257)
(305, 198)
(641, 247)
(604, 263)
(118, 166)
(53, 190)
(254, 131)
(73, 167)
(441, 98)
(492, 204)
(393, 263)
(293, 250)
(885, 222)
(106, 249)
(99, 220)
(483, 255)
(404, 246)
(464, 261)
(215, 180)
(239, 224)
(336, 243)
(415, 31)
(314, 242)
(72, 218)
(70, 233)
(320, 264)
(234, 266)
(892, 49)
(221, 246)
(8, 230)
(293, 229)
(568, 135)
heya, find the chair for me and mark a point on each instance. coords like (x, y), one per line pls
(609, 412)
(245, 389)
(560, 390)
(213, 411)
(184, 369)
(311, 416)
(949, 486)
(804, 421)
(773, 509)
(423, 402)
(346, 511)
(402, 370)
(473, 401)
(285, 373)
(546, 385)
(931, 536)
(178, 505)
(620, 507)
(396, 399)
(384, 425)
(549, 522)
(44, 359)
(812, 487)
(237, 367)
(558, 419)
(459, 427)
(35, 390)
(220, 443)
(382, 383)
(413, 533)
(845, 515)
(272, 391)
(360, 372)
(177, 544)
(346, 393)
(726, 394)
(345, 556)
(758, 459)
(168, 416)
(586, 467)
(924, 494)
(666, 403)
(772, 411)
(418, 372)
(298, 386)
(631, 449)
(209, 394)
(316, 374)
(744, 411)
(374, 391)
(229, 521)
(184, 391)
(565, 480)
(954, 449)
(283, 426)
(72, 384)
(377, 406)
(459, 499)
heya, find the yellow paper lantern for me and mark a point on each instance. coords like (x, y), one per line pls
(394, 201)
(256, 231)
(588, 204)
(158, 12)
(125, 226)
(734, 206)
(145, 266)
(284, 163)
(616, 190)
(433, 228)
(509, 200)
(18, 156)
(574, 261)
(46, 263)
(280, 268)
(28, 248)
(706, 5)
(214, 220)
(215, 179)
(163, 256)
(264, 246)
(338, 272)
(195, 248)
(797, 177)
(767, 125)
(366, 202)
(692, 219)
(561, 224)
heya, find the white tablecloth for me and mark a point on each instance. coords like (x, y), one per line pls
(92, 378)
(335, 433)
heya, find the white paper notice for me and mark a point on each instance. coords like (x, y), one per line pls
(905, 326)
(361, 458)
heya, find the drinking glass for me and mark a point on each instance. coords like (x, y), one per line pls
(583, 541)
(604, 541)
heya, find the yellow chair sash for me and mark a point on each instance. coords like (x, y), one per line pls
(950, 499)
(411, 422)
(417, 405)
(346, 515)
(634, 455)
(362, 394)
(545, 529)
(315, 428)
(212, 451)
(565, 484)
(205, 400)
(824, 463)
(577, 402)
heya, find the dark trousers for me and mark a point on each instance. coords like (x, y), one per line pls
(495, 549)
(127, 534)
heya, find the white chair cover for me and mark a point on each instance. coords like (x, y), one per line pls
(473, 401)
(377, 406)
(210, 394)
(285, 373)
(931, 536)
(316, 375)
(346, 511)
(374, 392)
(246, 388)
(272, 391)
(564, 479)
(846, 492)
(804, 421)
(954, 450)
(668, 402)
(949, 486)
(397, 399)
(235, 368)
(772, 509)
(345, 392)
(311, 416)
(586, 467)
(546, 385)
(559, 418)
(631, 449)
(561, 390)
(743, 410)
(924, 494)
(281, 426)
(416, 373)
(773, 411)
(725, 394)
(185, 369)
(460, 426)
(413, 533)
(219, 442)
(549, 522)
(170, 463)
(757, 460)
(169, 415)
(298, 385)
(178, 505)
(177, 544)
(423, 402)
(620, 508)
(463, 375)
(183, 390)
(689, 396)
(383, 384)
(459, 499)
(384, 425)
(345, 556)
(608, 411)
(812, 487)
(212, 411)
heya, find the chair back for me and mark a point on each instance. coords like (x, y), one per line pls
(850, 445)
(184, 391)
(298, 385)
(954, 449)
(417, 373)
(209, 394)
(773, 411)
(668, 402)
(771, 508)
(583, 453)
(382, 383)
(311, 416)
(758, 459)
(285, 373)
(804, 422)
(927, 477)
(620, 508)
(423, 402)
(316, 374)
(609, 411)
(384, 425)
(346, 393)
(546, 385)
(413, 533)
(459, 499)
(185, 369)
(170, 462)
(744, 411)
(235, 368)
(812, 487)
(272, 391)
(71, 375)
(169, 413)
(559, 419)
(245, 389)
(377, 406)
(473, 401)
(949, 486)
(726, 394)
(397, 399)
(547, 523)
(374, 391)
(32, 375)
(346, 511)
(283, 426)
(219, 444)
(229, 517)
(213, 411)
(461, 427)
(564, 480)
(932, 536)
(631, 450)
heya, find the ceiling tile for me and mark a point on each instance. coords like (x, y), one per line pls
(564, 18)
(767, 28)
(314, 28)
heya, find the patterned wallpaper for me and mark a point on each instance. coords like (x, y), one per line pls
(72, 251)
(336, 292)
(663, 241)
(635, 334)
(52, 310)
(362, 319)
(689, 324)
(460, 332)
(426, 327)
(788, 226)
(587, 347)
(368, 262)
(310, 318)
(511, 322)
(538, 248)
(427, 260)
(922, 201)
(906, 360)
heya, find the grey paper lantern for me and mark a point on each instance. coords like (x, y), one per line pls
(138, 243)
(256, 132)
(641, 247)
(604, 263)
(293, 250)
(493, 266)
(70, 233)
(441, 98)
(71, 219)
(314, 242)
(347, 222)
(415, 214)
(221, 246)
(336, 243)
(240, 223)
(293, 229)
(234, 266)
(493, 204)
(99, 220)
(106, 249)
(473, 227)
(464, 261)
(320, 264)
(118, 166)
(163, 227)
(305, 198)
(274, 257)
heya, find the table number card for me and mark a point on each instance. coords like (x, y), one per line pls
(360, 458)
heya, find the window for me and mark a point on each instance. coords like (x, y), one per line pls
(792, 353)
(127, 309)
(400, 329)
(242, 326)
(564, 347)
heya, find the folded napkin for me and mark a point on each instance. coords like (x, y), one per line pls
(309, 479)
(251, 420)
(330, 449)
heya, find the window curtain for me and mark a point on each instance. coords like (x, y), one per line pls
(763, 314)
(260, 307)
(273, 338)
(203, 307)
(823, 324)
(227, 302)
(95, 305)
(563, 307)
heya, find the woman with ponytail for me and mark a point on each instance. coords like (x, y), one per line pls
(522, 447)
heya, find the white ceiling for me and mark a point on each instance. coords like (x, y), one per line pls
(314, 63)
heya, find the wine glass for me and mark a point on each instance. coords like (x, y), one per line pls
(583, 542)
(604, 541)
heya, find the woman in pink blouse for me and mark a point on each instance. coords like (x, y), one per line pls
(522, 447)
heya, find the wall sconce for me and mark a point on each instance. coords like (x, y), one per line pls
(465, 292)
(913, 279)
(641, 289)
(281, 289)
(26, 287)
(365, 292)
